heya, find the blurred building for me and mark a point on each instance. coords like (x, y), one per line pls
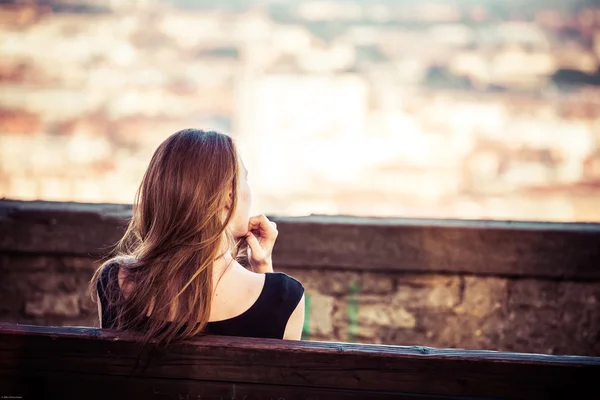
(359, 107)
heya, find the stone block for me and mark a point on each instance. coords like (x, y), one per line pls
(428, 331)
(86, 304)
(570, 330)
(361, 331)
(338, 282)
(483, 296)
(79, 263)
(368, 334)
(534, 293)
(583, 294)
(427, 291)
(66, 305)
(370, 282)
(51, 282)
(26, 263)
(385, 315)
(320, 315)
(11, 302)
(565, 295)
(532, 330)
(327, 282)
(341, 320)
(340, 312)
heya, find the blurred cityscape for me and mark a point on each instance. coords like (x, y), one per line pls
(407, 108)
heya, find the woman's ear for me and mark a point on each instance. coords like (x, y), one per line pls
(229, 200)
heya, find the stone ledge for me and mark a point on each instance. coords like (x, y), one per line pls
(497, 248)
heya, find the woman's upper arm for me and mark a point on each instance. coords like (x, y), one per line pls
(293, 329)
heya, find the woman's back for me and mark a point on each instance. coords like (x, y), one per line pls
(244, 303)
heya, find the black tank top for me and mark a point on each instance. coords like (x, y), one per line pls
(266, 318)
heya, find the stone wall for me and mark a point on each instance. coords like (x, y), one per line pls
(463, 311)
(526, 297)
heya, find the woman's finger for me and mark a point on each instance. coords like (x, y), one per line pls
(258, 221)
(261, 223)
(269, 225)
(257, 251)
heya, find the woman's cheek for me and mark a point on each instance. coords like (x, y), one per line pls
(249, 201)
(247, 197)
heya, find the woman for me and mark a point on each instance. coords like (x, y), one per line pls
(176, 274)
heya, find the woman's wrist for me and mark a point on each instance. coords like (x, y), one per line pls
(263, 267)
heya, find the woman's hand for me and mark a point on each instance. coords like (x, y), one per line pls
(261, 237)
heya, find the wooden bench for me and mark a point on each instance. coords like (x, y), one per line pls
(40, 362)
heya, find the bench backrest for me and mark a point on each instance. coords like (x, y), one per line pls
(91, 363)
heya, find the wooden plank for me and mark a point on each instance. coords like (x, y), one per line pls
(323, 365)
(52, 385)
(501, 248)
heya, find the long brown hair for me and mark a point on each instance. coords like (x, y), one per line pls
(179, 221)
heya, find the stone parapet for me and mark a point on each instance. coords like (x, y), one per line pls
(510, 286)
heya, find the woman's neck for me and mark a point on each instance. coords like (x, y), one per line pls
(222, 263)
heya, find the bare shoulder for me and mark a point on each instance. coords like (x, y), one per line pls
(240, 280)
(118, 262)
(235, 292)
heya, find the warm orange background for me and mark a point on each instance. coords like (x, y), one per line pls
(462, 109)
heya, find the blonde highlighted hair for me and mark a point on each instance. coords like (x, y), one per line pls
(178, 229)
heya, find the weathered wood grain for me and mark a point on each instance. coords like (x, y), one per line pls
(375, 369)
(50, 385)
